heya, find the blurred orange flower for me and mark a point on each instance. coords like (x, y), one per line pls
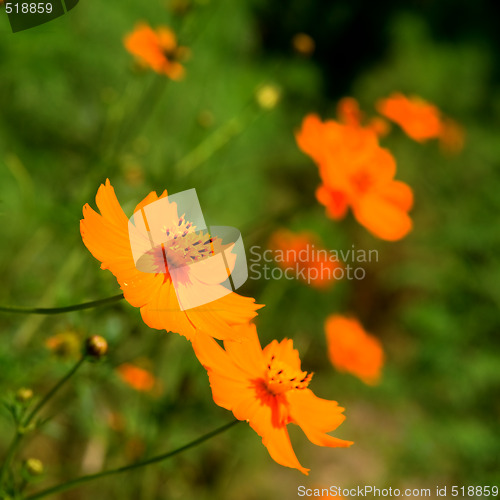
(452, 138)
(268, 389)
(304, 251)
(156, 49)
(106, 235)
(67, 344)
(419, 119)
(138, 378)
(351, 349)
(356, 172)
(349, 113)
(303, 44)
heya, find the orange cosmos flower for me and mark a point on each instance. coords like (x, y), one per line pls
(268, 389)
(106, 235)
(357, 173)
(351, 349)
(419, 119)
(137, 378)
(156, 49)
(303, 251)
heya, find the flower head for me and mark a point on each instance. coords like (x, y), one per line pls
(96, 347)
(303, 250)
(357, 173)
(419, 119)
(106, 235)
(303, 44)
(157, 50)
(66, 344)
(351, 349)
(268, 388)
(138, 378)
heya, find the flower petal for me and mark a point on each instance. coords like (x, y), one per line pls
(316, 416)
(247, 354)
(231, 387)
(275, 438)
(382, 217)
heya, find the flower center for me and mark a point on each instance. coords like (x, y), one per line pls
(183, 247)
(361, 181)
(281, 377)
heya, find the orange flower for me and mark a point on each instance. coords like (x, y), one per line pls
(106, 235)
(137, 378)
(268, 389)
(156, 49)
(419, 119)
(357, 173)
(294, 249)
(351, 349)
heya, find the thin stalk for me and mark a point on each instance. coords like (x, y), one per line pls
(24, 425)
(10, 455)
(53, 391)
(60, 310)
(91, 477)
(214, 142)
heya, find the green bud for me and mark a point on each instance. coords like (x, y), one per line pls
(24, 395)
(33, 467)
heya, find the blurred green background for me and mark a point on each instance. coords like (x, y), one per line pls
(75, 109)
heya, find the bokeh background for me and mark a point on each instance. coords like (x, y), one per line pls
(75, 109)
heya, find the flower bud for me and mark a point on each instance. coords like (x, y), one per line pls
(268, 96)
(96, 347)
(23, 395)
(303, 44)
(33, 467)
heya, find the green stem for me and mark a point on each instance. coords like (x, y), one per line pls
(213, 143)
(23, 427)
(91, 477)
(8, 459)
(59, 310)
(52, 392)
(136, 121)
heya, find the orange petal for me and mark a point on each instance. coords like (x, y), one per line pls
(284, 352)
(398, 193)
(348, 111)
(309, 137)
(419, 119)
(316, 416)
(166, 38)
(382, 217)
(162, 311)
(247, 354)
(352, 349)
(231, 387)
(219, 317)
(275, 438)
(150, 198)
(106, 237)
(334, 201)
